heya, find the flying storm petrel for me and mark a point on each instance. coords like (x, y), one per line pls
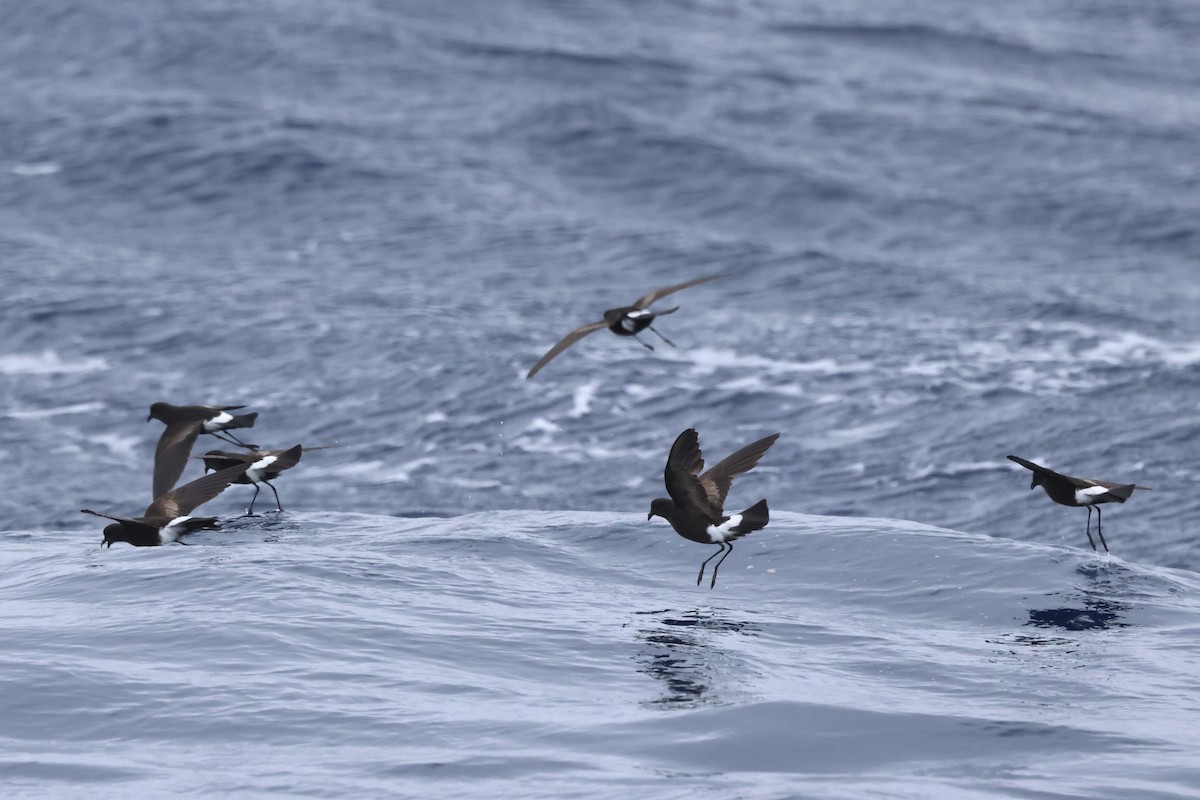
(184, 424)
(696, 506)
(1068, 491)
(262, 466)
(167, 518)
(624, 321)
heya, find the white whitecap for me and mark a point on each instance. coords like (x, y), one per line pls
(35, 168)
(47, 363)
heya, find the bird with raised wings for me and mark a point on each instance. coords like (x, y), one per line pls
(168, 517)
(624, 321)
(184, 424)
(696, 507)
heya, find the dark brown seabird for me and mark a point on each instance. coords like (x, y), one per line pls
(262, 466)
(166, 519)
(1068, 491)
(696, 506)
(624, 321)
(184, 424)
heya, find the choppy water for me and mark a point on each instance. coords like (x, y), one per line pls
(951, 233)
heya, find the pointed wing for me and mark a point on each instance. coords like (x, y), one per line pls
(1038, 467)
(170, 457)
(122, 520)
(683, 485)
(186, 498)
(645, 300)
(685, 453)
(568, 340)
(717, 480)
(285, 459)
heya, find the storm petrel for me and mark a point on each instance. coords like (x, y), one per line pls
(696, 506)
(624, 321)
(167, 518)
(262, 466)
(1068, 491)
(184, 424)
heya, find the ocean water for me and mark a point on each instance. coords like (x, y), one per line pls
(950, 232)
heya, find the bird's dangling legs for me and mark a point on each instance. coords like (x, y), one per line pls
(229, 437)
(278, 505)
(639, 341)
(659, 335)
(720, 550)
(1100, 530)
(250, 510)
(1088, 530)
(717, 566)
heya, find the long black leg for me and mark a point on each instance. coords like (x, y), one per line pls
(659, 335)
(229, 437)
(1088, 530)
(639, 341)
(717, 566)
(721, 549)
(250, 510)
(278, 505)
(1100, 530)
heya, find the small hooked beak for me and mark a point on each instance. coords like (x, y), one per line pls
(1033, 485)
(650, 516)
(150, 417)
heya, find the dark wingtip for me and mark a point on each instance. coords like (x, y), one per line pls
(1026, 463)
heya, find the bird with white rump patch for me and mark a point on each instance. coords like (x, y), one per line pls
(696, 506)
(169, 516)
(262, 466)
(624, 321)
(184, 424)
(1068, 491)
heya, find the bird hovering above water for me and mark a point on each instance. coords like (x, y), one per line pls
(262, 466)
(167, 518)
(1068, 491)
(624, 321)
(184, 424)
(696, 506)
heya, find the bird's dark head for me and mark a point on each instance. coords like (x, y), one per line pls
(215, 460)
(159, 411)
(661, 507)
(114, 533)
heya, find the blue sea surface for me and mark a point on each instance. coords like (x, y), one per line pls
(949, 231)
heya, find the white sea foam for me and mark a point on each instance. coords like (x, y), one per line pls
(34, 168)
(707, 360)
(123, 447)
(582, 399)
(47, 362)
(42, 413)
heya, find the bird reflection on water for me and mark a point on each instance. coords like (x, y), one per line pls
(1089, 607)
(680, 652)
